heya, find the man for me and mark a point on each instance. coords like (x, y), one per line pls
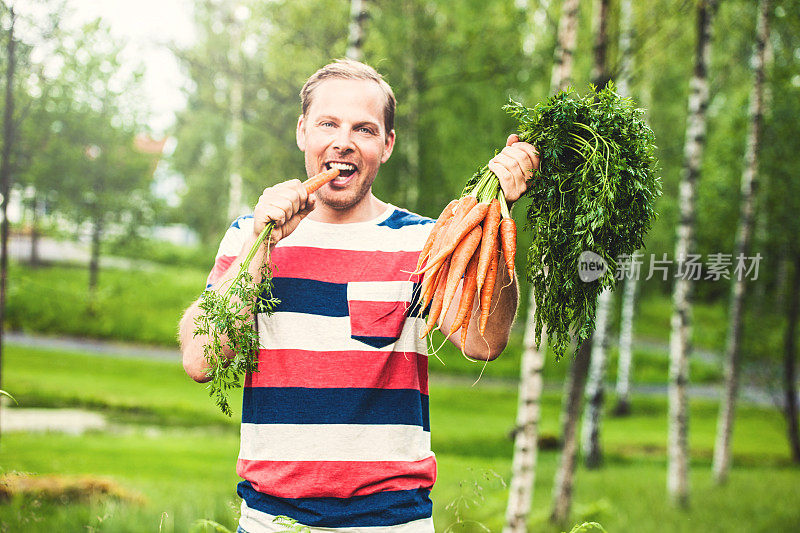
(335, 429)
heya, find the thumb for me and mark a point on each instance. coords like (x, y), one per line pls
(513, 138)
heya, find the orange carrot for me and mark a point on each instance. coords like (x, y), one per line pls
(470, 221)
(464, 206)
(488, 289)
(464, 329)
(508, 240)
(468, 290)
(458, 264)
(438, 299)
(447, 214)
(491, 226)
(315, 182)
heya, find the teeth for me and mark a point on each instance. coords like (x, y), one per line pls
(342, 166)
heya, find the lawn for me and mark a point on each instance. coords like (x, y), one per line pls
(174, 454)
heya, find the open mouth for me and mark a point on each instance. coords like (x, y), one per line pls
(345, 169)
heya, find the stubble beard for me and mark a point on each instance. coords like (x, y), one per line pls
(343, 202)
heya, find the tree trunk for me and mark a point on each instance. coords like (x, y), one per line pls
(789, 365)
(680, 336)
(355, 42)
(565, 475)
(526, 432)
(561, 76)
(625, 47)
(623, 406)
(624, 363)
(749, 187)
(525, 443)
(595, 387)
(600, 74)
(34, 257)
(94, 258)
(5, 172)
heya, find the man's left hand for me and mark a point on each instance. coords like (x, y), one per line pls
(514, 166)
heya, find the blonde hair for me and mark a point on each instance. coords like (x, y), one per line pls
(347, 69)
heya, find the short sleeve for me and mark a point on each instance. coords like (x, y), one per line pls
(229, 247)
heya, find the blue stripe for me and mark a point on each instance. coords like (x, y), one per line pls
(388, 508)
(400, 218)
(299, 405)
(310, 296)
(236, 222)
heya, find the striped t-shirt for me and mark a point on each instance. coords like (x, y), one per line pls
(335, 429)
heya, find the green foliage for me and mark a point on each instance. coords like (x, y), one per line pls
(142, 305)
(586, 527)
(227, 320)
(595, 191)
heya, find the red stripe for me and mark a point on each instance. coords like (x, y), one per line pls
(337, 479)
(221, 265)
(341, 266)
(377, 319)
(357, 369)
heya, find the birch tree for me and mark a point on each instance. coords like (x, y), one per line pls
(625, 358)
(590, 431)
(595, 389)
(749, 187)
(574, 390)
(680, 335)
(355, 42)
(530, 386)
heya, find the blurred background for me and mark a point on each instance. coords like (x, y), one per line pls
(134, 132)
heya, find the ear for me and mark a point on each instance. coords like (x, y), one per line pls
(388, 146)
(300, 134)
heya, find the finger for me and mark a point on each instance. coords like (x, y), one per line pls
(283, 194)
(504, 176)
(515, 162)
(531, 152)
(513, 138)
(298, 186)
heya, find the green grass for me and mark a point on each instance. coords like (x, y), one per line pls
(139, 306)
(171, 446)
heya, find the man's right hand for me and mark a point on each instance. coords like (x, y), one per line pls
(286, 204)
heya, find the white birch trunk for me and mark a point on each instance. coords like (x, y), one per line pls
(355, 42)
(565, 474)
(625, 362)
(681, 325)
(523, 466)
(749, 186)
(561, 76)
(528, 406)
(595, 389)
(571, 409)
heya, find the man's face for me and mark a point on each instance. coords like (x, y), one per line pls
(344, 128)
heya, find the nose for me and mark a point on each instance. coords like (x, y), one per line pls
(343, 142)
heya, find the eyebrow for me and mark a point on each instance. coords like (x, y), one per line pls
(369, 123)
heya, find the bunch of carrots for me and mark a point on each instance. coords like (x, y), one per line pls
(466, 241)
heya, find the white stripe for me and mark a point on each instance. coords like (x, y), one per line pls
(334, 442)
(232, 241)
(302, 331)
(254, 521)
(380, 291)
